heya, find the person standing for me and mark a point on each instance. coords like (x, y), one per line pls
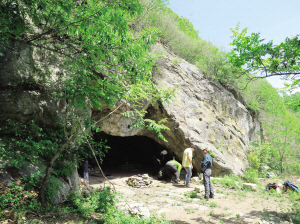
(187, 164)
(86, 169)
(173, 169)
(206, 165)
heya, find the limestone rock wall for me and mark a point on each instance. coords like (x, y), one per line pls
(26, 94)
(203, 113)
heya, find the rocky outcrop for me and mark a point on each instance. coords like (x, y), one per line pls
(203, 113)
(28, 78)
(26, 93)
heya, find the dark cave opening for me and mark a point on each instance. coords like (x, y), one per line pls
(134, 153)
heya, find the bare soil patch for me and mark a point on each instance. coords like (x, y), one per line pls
(170, 201)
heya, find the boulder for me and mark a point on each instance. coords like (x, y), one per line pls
(270, 175)
(68, 184)
(200, 189)
(249, 186)
(238, 185)
(140, 210)
(195, 180)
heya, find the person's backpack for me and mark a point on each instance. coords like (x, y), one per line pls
(289, 184)
(271, 186)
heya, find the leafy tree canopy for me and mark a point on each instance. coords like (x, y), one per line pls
(252, 53)
(105, 63)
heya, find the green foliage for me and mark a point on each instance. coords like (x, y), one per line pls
(19, 200)
(212, 204)
(211, 153)
(190, 194)
(97, 201)
(292, 101)
(24, 144)
(230, 181)
(179, 33)
(34, 182)
(266, 58)
(138, 121)
(39, 144)
(102, 201)
(295, 212)
(251, 175)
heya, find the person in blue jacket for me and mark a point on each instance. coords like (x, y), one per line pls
(206, 165)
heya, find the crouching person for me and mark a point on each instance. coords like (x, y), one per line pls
(173, 169)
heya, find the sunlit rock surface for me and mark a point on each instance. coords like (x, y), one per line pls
(203, 113)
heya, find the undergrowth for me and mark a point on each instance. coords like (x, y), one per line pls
(100, 204)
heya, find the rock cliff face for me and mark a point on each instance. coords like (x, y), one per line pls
(203, 113)
(26, 95)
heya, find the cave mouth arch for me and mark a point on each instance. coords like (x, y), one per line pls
(133, 153)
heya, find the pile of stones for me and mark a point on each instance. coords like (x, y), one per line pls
(140, 181)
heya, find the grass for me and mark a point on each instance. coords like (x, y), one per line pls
(212, 204)
(190, 210)
(176, 204)
(190, 194)
(160, 185)
(203, 202)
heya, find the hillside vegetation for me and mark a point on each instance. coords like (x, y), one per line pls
(280, 119)
(104, 47)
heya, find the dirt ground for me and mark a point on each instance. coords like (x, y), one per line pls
(168, 200)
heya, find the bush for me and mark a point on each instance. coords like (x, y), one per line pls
(16, 198)
(251, 175)
(34, 182)
(98, 201)
(231, 181)
(103, 201)
(113, 215)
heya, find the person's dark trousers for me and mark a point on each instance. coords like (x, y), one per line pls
(209, 191)
(156, 166)
(172, 171)
(86, 169)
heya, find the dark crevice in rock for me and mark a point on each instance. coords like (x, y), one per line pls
(21, 87)
(237, 95)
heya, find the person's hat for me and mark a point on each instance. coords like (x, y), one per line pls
(194, 147)
(164, 152)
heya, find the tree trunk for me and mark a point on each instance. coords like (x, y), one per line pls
(48, 173)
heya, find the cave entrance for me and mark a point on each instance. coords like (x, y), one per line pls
(134, 153)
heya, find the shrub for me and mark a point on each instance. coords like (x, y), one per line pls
(251, 175)
(231, 181)
(34, 181)
(16, 198)
(98, 201)
(191, 194)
